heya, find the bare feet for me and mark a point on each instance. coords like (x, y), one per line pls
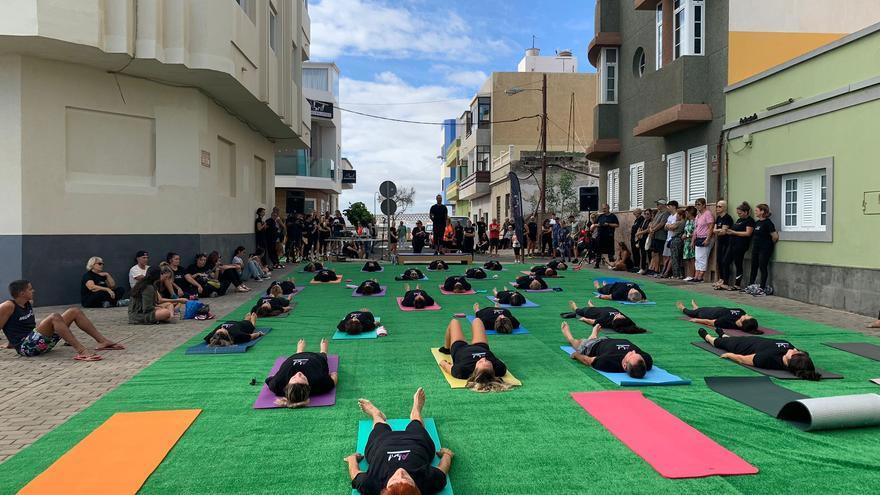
(694, 304)
(370, 410)
(301, 345)
(476, 307)
(109, 346)
(566, 331)
(419, 399)
(324, 346)
(590, 303)
(572, 305)
(679, 305)
(876, 324)
(406, 287)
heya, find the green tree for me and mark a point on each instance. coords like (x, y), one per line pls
(567, 199)
(358, 214)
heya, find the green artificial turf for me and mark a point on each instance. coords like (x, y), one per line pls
(533, 439)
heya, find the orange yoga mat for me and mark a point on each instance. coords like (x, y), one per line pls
(117, 457)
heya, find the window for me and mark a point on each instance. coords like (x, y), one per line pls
(248, 6)
(316, 79)
(689, 30)
(675, 177)
(469, 123)
(636, 185)
(498, 207)
(697, 174)
(507, 206)
(274, 33)
(823, 201)
(639, 62)
(679, 28)
(608, 76)
(790, 201)
(613, 189)
(804, 200)
(699, 32)
(658, 55)
(483, 155)
(484, 113)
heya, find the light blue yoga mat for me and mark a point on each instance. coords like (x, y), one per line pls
(516, 331)
(340, 335)
(610, 280)
(656, 376)
(528, 304)
(365, 426)
(203, 348)
(643, 303)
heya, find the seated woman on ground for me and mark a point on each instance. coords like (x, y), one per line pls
(763, 352)
(620, 291)
(257, 256)
(145, 307)
(438, 265)
(417, 298)
(352, 250)
(369, 287)
(457, 284)
(393, 473)
(167, 291)
(543, 271)
(182, 287)
(509, 297)
(313, 266)
(197, 277)
(473, 361)
(721, 317)
(357, 322)
(97, 288)
(558, 265)
(234, 332)
(301, 376)
(372, 266)
(411, 274)
(475, 273)
(624, 261)
(609, 355)
(605, 317)
(247, 267)
(224, 273)
(495, 318)
(530, 282)
(272, 304)
(493, 265)
(325, 276)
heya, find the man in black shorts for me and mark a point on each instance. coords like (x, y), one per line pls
(439, 214)
(607, 223)
(609, 355)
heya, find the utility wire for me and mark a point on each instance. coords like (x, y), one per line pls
(419, 122)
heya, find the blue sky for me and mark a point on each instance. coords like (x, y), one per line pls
(405, 51)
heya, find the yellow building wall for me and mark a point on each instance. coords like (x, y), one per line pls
(751, 53)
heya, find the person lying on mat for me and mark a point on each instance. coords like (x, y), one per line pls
(369, 287)
(620, 291)
(234, 332)
(30, 339)
(457, 284)
(720, 317)
(438, 265)
(509, 297)
(411, 274)
(273, 304)
(357, 322)
(495, 318)
(609, 355)
(372, 266)
(605, 317)
(473, 361)
(493, 265)
(313, 267)
(543, 271)
(530, 282)
(416, 298)
(287, 287)
(557, 265)
(476, 273)
(325, 276)
(399, 461)
(301, 376)
(763, 352)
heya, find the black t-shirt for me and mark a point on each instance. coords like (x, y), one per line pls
(193, 269)
(493, 265)
(20, 324)
(605, 231)
(724, 317)
(619, 291)
(438, 265)
(768, 352)
(325, 276)
(260, 235)
(477, 273)
(277, 303)
(603, 315)
(365, 283)
(413, 274)
(636, 226)
(533, 229)
(371, 266)
(438, 215)
(94, 277)
(180, 279)
(387, 451)
(311, 364)
(741, 225)
(723, 220)
(481, 228)
(239, 331)
(489, 315)
(610, 352)
(409, 298)
(762, 234)
(524, 281)
(504, 296)
(368, 323)
(465, 357)
(554, 264)
(449, 284)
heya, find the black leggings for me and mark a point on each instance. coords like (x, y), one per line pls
(547, 244)
(761, 261)
(229, 276)
(97, 299)
(735, 255)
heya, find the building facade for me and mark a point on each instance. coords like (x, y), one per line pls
(800, 139)
(141, 125)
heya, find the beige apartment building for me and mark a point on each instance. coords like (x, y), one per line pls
(141, 124)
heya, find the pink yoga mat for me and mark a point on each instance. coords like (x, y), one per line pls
(455, 293)
(266, 399)
(380, 293)
(435, 307)
(671, 446)
(736, 332)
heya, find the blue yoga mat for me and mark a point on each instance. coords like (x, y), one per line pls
(528, 304)
(365, 426)
(516, 331)
(610, 280)
(340, 335)
(643, 303)
(656, 376)
(203, 348)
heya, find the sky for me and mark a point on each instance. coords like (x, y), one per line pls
(424, 60)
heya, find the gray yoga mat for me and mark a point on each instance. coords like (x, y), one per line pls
(781, 374)
(863, 349)
(804, 412)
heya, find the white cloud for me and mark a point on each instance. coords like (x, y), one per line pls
(468, 79)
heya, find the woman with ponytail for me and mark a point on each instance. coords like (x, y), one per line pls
(762, 352)
(302, 375)
(473, 361)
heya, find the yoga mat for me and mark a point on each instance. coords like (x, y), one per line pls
(433, 307)
(655, 376)
(643, 303)
(610, 280)
(380, 293)
(671, 446)
(117, 457)
(381, 269)
(338, 279)
(875, 381)
(447, 293)
(548, 289)
(365, 426)
(203, 347)
(804, 412)
(781, 374)
(458, 382)
(266, 399)
(340, 335)
(524, 272)
(736, 332)
(528, 304)
(516, 331)
(863, 349)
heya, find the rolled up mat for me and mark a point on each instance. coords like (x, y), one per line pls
(338, 280)
(863, 349)
(434, 307)
(527, 304)
(458, 382)
(380, 293)
(736, 332)
(117, 457)
(757, 392)
(365, 426)
(781, 374)
(655, 376)
(450, 293)
(827, 413)
(516, 331)
(204, 348)
(875, 381)
(671, 446)
(266, 399)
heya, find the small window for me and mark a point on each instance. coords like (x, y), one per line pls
(639, 62)
(273, 28)
(679, 28)
(658, 62)
(823, 210)
(613, 189)
(608, 76)
(791, 186)
(804, 201)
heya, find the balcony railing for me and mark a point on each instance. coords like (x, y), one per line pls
(501, 164)
(301, 166)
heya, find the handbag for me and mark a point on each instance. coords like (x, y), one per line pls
(700, 241)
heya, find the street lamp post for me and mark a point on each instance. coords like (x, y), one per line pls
(543, 90)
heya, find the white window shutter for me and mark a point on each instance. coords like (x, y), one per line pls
(616, 205)
(697, 175)
(675, 177)
(809, 208)
(636, 185)
(609, 188)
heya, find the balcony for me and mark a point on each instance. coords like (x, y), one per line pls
(646, 4)
(452, 153)
(675, 97)
(306, 26)
(475, 185)
(606, 131)
(296, 170)
(452, 192)
(501, 164)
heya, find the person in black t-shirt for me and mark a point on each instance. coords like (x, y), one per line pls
(417, 298)
(763, 352)
(543, 271)
(495, 318)
(234, 332)
(509, 297)
(313, 267)
(620, 291)
(371, 266)
(558, 265)
(532, 228)
(606, 224)
(419, 237)
(457, 284)
(473, 361)
(399, 462)
(605, 317)
(98, 289)
(469, 237)
(721, 317)
(357, 322)
(530, 282)
(439, 214)
(739, 239)
(301, 376)
(723, 224)
(493, 265)
(609, 355)
(325, 276)
(476, 273)
(764, 239)
(273, 304)
(369, 287)
(438, 265)
(411, 274)
(196, 276)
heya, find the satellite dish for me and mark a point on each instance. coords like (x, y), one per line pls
(387, 189)
(389, 206)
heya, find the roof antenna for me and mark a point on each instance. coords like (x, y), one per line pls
(533, 41)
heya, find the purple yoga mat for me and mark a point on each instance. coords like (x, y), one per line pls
(380, 293)
(266, 399)
(736, 332)
(450, 293)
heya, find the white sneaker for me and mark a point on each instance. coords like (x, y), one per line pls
(688, 279)
(641, 272)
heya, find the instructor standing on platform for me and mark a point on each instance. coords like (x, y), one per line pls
(438, 217)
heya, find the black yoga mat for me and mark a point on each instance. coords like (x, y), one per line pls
(757, 392)
(781, 374)
(863, 349)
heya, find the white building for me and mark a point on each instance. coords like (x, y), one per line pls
(533, 61)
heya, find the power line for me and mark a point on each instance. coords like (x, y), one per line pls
(404, 102)
(420, 122)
